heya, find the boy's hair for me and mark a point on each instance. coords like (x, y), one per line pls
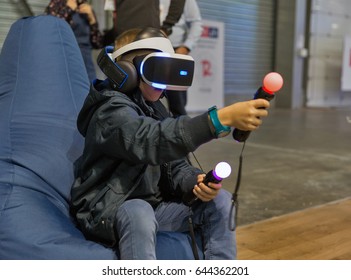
(126, 37)
(133, 35)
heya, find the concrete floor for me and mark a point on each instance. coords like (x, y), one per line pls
(297, 159)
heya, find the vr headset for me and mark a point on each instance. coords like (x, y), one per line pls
(162, 69)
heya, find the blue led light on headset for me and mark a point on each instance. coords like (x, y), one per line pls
(159, 86)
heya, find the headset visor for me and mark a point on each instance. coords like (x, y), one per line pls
(166, 71)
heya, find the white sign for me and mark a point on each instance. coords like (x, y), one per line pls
(207, 88)
(346, 66)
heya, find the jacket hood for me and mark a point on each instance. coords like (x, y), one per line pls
(100, 92)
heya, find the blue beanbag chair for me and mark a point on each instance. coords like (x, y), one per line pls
(42, 88)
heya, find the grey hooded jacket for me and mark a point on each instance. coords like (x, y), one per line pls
(132, 150)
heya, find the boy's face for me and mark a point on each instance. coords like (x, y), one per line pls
(150, 93)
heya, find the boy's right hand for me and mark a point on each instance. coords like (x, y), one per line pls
(244, 115)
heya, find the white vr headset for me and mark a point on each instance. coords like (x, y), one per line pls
(162, 69)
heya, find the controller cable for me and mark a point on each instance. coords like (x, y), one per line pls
(235, 202)
(190, 218)
(234, 208)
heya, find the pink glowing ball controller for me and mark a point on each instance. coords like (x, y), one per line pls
(272, 82)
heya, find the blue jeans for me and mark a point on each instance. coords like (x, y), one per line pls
(137, 224)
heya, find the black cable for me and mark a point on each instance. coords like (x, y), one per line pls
(190, 221)
(235, 201)
(192, 235)
(198, 163)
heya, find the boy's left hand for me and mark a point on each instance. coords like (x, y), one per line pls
(206, 193)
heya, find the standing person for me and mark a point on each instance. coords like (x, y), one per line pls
(133, 176)
(186, 33)
(141, 14)
(80, 15)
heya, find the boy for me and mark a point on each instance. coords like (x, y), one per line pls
(133, 174)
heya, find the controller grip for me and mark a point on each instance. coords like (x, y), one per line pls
(241, 135)
(189, 198)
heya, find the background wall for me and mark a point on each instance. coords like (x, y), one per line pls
(262, 36)
(330, 22)
(290, 41)
(249, 42)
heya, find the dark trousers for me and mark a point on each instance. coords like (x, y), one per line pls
(176, 102)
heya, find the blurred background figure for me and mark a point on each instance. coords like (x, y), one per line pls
(80, 15)
(185, 34)
(131, 14)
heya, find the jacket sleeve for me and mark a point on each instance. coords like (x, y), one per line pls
(96, 37)
(60, 9)
(176, 8)
(121, 131)
(178, 177)
(192, 18)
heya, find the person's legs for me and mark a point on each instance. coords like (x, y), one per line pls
(213, 216)
(213, 219)
(136, 228)
(172, 216)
